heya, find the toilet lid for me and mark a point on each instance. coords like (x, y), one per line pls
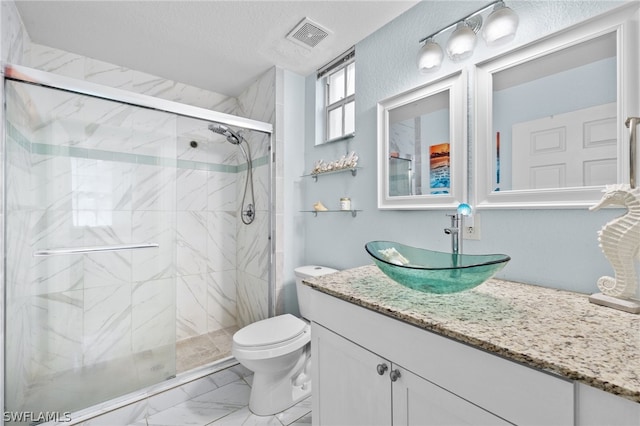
(270, 331)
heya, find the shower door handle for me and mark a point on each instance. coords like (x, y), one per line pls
(93, 249)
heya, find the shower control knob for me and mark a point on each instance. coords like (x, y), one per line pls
(394, 375)
(382, 368)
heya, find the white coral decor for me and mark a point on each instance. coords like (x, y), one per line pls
(345, 162)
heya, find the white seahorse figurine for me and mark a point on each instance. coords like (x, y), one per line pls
(620, 241)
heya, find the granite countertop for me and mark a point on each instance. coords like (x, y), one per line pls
(552, 330)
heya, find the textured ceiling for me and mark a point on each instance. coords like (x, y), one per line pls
(222, 46)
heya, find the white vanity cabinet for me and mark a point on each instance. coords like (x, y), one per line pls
(359, 387)
(440, 382)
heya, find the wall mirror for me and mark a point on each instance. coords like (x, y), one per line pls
(549, 128)
(422, 146)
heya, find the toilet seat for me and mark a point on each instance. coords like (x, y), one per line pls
(271, 337)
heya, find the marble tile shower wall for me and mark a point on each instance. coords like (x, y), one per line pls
(252, 242)
(245, 262)
(258, 103)
(206, 226)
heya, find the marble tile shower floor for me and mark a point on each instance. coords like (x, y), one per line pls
(204, 349)
(227, 405)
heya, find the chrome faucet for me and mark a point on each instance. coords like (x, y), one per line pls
(455, 230)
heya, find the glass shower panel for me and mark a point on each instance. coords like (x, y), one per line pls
(400, 176)
(90, 248)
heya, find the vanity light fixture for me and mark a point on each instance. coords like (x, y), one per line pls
(499, 28)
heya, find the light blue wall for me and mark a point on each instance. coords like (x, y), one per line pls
(290, 126)
(555, 248)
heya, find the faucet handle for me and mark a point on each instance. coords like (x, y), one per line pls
(455, 218)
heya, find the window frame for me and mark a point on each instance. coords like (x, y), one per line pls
(340, 64)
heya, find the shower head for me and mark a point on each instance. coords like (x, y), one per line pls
(225, 131)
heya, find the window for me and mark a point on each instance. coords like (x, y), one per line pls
(340, 93)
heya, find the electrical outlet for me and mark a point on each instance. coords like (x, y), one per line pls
(472, 232)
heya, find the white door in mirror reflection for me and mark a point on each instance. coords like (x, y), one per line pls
(566, 150)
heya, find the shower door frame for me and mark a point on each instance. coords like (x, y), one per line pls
(55, 81)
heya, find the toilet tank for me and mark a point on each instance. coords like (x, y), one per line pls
(304, 291)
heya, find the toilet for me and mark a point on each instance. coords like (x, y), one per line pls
(277, 350)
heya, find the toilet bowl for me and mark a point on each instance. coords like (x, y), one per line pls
(277, 350)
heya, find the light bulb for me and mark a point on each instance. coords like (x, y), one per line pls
(430, 57)
(461, 43)
(500, 26)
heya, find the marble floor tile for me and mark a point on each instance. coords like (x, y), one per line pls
(227, 406)
(298, 414)
(245, 417)
(204, 409)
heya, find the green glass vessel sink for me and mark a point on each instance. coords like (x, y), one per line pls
(433, 271)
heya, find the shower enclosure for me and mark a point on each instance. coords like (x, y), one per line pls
(123, 240)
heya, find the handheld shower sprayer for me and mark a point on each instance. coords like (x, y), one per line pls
(221, 129)
(247, 213)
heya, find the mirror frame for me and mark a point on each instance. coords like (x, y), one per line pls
(623, 22)
(456, 84)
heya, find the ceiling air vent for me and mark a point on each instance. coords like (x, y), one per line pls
(307, 33)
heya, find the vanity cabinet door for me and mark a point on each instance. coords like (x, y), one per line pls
(417, 401)
(347, 386)
(595, 407)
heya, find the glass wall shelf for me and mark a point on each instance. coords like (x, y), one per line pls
(353, 170)
(354, 213)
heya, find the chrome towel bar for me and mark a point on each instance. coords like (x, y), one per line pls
(632, 124)
(93, 249)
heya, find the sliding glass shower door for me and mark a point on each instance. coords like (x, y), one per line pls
(90, 248)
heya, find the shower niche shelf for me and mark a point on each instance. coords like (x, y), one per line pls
(314, 176)
(354, 213)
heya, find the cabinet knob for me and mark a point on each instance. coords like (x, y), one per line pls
(382, 368)
(394, 375)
